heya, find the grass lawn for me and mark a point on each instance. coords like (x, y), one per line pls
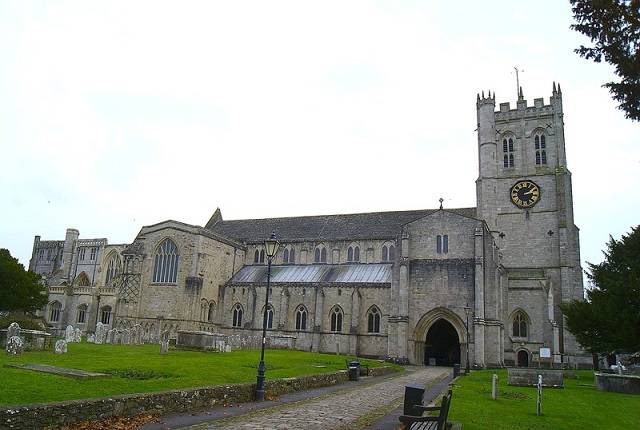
(578, 406)
(141, 368)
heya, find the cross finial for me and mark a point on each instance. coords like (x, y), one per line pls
(441, 200)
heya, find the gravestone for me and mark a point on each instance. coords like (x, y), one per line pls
(101, 333)
(69, 334)
(15, 345)
(117, 337)
(61, 347)
(38, 343)
(227, 348)
(136, 336)
(91, 338)
(110, 334)
(126, 337)
(13, 330)
(494, 386)
(164, 342)
(77, 335)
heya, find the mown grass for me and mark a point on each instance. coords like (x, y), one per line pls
(139, 369)
(578, 406)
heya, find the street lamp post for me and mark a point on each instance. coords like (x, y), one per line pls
(271, 247)
(467, 310)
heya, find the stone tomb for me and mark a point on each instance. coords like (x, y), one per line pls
(61, 371)
(528, 377)
(627, 384)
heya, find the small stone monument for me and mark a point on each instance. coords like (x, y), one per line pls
(136, 334)
(539, 398)
(77, 335)
(117, 337)
(69, 334)
(15, 345)
(494, 386)
(91, 338)
(61, 347)
(101, 333)
(126, 336)
(13, 330)
(227, 348)
(164, 342)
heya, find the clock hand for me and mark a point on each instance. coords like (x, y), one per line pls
(528, 192)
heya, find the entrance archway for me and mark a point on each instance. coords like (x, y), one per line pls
(523, 358)
(442, 345)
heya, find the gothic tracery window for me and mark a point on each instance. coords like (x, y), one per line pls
(373, 320)
(301, 318)
(336, 319)
(211, 311)
(269, 317)
(519, 325)
(237, 315)
(353, 254)
(165, 267)
(508, 152)
(388, 253)
(54, 311)
(82, 314)
(105, 315)
(540, 143)
(113, 268)
(320, 255)
(288, 256)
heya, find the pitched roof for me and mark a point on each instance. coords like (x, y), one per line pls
(372, 225)
(316, 274)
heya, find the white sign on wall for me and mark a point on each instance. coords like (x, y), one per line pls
(545, 352)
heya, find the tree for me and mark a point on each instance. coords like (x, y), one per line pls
(610, 318)
(20, 290)
(614, 28)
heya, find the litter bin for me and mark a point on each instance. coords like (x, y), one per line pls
(413, 396)
(456, 370)
(354, 370)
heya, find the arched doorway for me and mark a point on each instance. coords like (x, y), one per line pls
(523, 358)
(442, 345)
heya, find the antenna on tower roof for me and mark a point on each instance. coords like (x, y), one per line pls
(518, 89)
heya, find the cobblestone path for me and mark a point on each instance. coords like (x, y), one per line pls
(333, 411)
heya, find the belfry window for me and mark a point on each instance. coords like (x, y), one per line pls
(540, 142)
(165, 268)
(301, 318)
(442, 244)
(336, 319)
(353, 254)
(519, 325)
(237, 316)
(373, 320)
(508, 152)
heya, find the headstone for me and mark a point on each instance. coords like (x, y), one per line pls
(15, 345)
(77, 335)
(619, 368)
(61, 347)
(539, 398)
(13, 330)
(136, 337)
(69, 334)
(100, 333)
(126, 337)
(117, 337)
(91, 338)
(110, 334)
(494, 386)
(39, 343)
(164, 342)
(227, 348)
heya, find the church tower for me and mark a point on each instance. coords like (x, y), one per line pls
(524, 194)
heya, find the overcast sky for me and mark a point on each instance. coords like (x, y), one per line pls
(115, 115)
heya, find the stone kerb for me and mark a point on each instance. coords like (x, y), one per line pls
(65, 413)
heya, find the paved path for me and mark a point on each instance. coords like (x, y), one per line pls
(349, 408)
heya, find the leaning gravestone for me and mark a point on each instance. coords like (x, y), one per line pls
(15, 345)
(77, 335)
(69, 334)
(61, 347)
(13, 330)
(164, 342)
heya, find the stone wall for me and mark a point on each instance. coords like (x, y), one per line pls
(39, 416)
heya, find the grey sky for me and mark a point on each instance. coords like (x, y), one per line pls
(115, 115)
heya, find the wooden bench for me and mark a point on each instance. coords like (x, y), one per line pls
(427, 422)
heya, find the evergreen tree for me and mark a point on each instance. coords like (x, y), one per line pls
(610, 318)
(20, 290)
(614, 28)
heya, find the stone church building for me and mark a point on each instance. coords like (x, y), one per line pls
(428, 286)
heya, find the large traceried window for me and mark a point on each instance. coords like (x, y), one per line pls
(353, 254)
(373, 320)
(388, 253)
(320, 255)
(237, 315)
(165, 267)
(508, 152)
(105, 315)
(336, 319)
(82, 314)
(301, 318)
(519, 325)
(54, 311)
(82, 280)
(113, 268)
(540, 142)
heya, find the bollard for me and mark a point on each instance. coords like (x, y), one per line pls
(494, 386)
(539, 399)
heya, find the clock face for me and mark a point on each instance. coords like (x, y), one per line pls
(525, 194)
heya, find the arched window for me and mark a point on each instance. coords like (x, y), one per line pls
(285, 255)
(165, 268)
(269, 317)
(301, 318)
(353, 254)
(289, 256)
(519, 325)
(204, 307)
(54, 311)
(540, 142)
(237, 315)
(373, 320)
(256, 256)
(82, 314)
(82, 280)
(320, 255)
(105, 315)
(442, 244)
(261, 256)
(336, 319)
(388, 253)
(113, 268)
(211, 311)
(508, 150)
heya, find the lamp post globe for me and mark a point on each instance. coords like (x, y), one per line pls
(271, 246)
